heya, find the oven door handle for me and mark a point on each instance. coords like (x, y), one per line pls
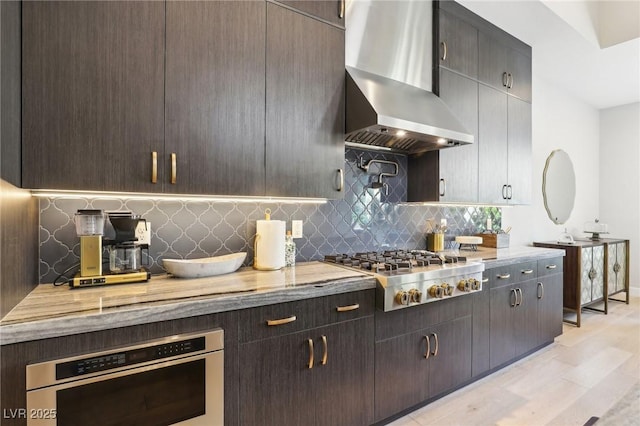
(45, 398)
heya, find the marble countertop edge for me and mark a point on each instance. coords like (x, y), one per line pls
(84, 322)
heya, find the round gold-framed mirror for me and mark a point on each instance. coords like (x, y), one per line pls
(559, 186)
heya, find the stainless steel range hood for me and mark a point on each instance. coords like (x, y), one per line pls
(389, 100)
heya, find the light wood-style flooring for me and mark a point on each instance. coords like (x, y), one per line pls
(581, 375)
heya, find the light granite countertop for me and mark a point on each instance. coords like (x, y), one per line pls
(50, 311)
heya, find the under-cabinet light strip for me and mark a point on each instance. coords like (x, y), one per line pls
(47, 193)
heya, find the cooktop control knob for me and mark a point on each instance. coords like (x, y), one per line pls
(464, 285)
(402, 298)
(475, 284)
(447, 289)
(415, 295)
(436, 291)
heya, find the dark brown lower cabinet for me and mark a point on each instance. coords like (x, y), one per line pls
(321, 376)
(420, 365)
(481, 315)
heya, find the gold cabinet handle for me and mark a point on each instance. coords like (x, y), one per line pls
(541, 292)
(435, 351)
(444, 50)
(485, 280)
(340, 180)
(552, 266)
(527, 271)
(154, 167)
(325, 350)
(174, 166)
(504, 276)
(282, 321)
(341, 9)
(428, 352)
(348, 308)
(310, 341)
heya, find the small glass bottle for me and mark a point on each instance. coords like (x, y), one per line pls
(289, 250)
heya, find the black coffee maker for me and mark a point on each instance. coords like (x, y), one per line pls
(125, 252)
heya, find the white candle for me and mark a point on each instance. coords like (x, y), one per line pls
(489, 224)
(443, 222)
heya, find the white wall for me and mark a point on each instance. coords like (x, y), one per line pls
(620, 179)
(559, 122)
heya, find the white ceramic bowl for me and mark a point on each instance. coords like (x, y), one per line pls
(205, 267)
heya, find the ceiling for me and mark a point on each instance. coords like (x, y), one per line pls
(590, 49)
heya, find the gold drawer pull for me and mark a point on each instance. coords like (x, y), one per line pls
(428, 352)
(154, 167)
(485, 280)
(527, 271)
(282, 321)
(325, 353)
(552, 266)
(435, 351)
(504, 277)
(310, 341)
(348, 308)
(174, 168)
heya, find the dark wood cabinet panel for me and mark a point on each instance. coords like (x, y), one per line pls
(504, 67)
(503, 300)
(457, 45)
(459, 165)
(526, 318)
(401, 373)
(92, 93)
(492, 62)
(519, 151)
(215, 92)
(276, 383)
(549, 293)
(481, 316)
(520, 67)
(10, 108)
(332, 11)
(345, 384)
(452, 364)
(492, 145)
(305, 105)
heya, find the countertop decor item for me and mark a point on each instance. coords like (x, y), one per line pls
(204, 267)
(468, 242)
(493, 240)
(595, 228)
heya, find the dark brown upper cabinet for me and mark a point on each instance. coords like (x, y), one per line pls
(332, 11)
(305, 106)
(504, 67)
(215, 91)
(92, 94)
(456, 43)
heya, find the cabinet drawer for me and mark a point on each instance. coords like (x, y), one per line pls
(509, 274)
(284, 318)
(524, 271)
(550, 266)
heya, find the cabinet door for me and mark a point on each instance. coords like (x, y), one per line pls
(401, 373)
(276, 383)
(330, 10)
(616, 267)
(215, 97)
(305, 105)
(458, 44)
(459, 166)
(492, 62)
(597, 283)
(452, 364)
(519, 66)
(526, 317)
(519, 151)
(92, 94)
(481, 329)
(549, 293)
(502, 348)
(492, 145)
(344, 385)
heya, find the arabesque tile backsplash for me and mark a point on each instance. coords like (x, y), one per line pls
(366, 219)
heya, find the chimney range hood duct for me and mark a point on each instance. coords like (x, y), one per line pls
(387, 104)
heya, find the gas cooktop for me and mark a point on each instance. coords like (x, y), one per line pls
(414, 277)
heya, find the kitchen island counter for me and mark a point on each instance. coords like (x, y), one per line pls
(50, 311)
(495, 258)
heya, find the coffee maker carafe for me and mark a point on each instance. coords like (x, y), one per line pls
(125, 253)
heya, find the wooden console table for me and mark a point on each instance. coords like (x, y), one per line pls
(594, 271)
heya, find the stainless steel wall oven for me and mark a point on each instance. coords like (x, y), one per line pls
(173, 380)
